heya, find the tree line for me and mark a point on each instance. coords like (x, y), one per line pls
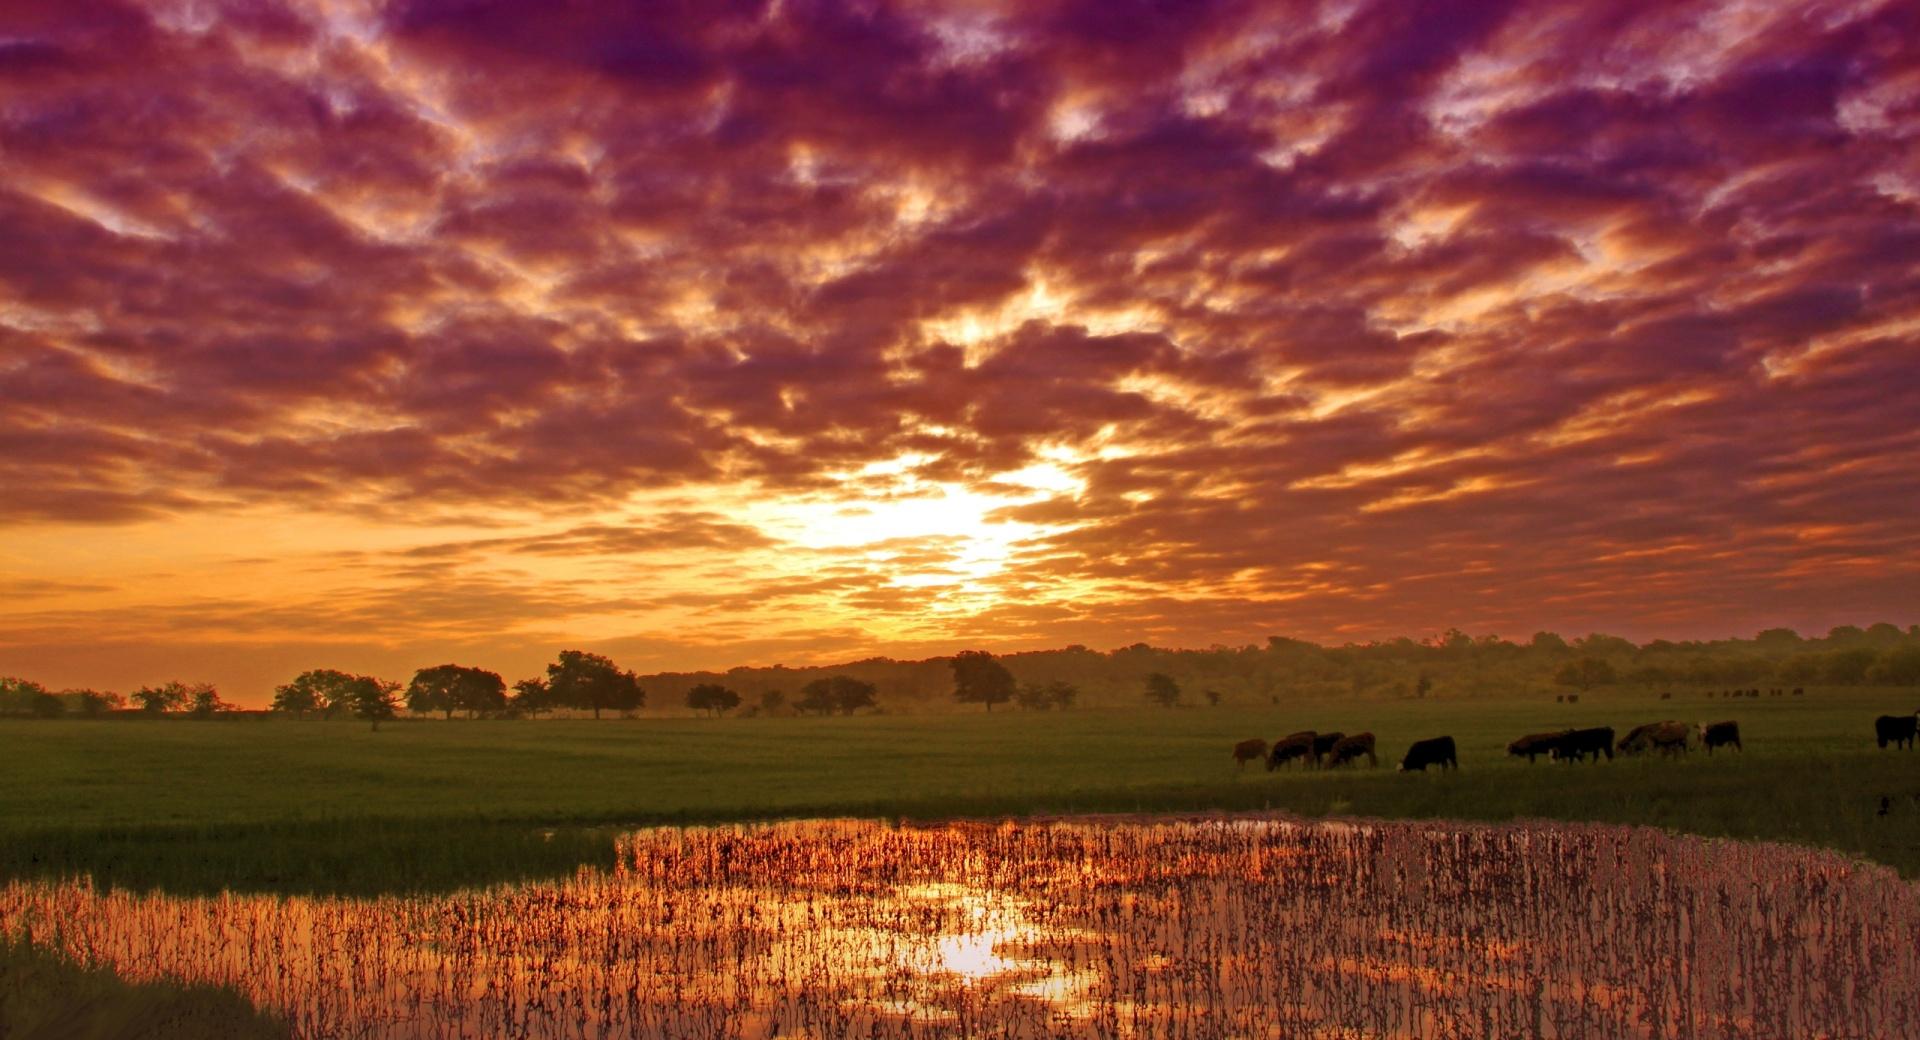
(1450, 664)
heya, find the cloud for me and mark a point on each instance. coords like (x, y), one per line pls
(1341, 318)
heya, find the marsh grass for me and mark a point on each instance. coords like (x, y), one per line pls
(332, 808)
(44, 996)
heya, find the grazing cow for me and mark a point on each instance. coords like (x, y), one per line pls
(1666, 696)
(1799, 691)
(1573, 698)
(1559, 697)
(1288, 748)
(1535, 744)
(1252, 749)
(1436, 751)
(1897, 730)
(1721, 734)
(1351, 748)
(1323, 743)
(1753, 693)
(1579, 743)
(1669, 737)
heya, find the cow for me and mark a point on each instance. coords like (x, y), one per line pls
(1720, 734)
(1323, 743)
(1897, 730)
(1573, 698)
(1799, 691)
(1535, 744)
(1435, 751)
(1577, 744)
(1669, 737)
(1288, 748)
(1252, 749)
(1351, 748)
(1666, 696)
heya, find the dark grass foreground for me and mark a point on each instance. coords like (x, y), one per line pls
(44, 997)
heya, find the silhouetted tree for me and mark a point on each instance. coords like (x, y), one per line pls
(979, 678)
(1162, 690)
(850, 694)
(17, 696)
(47, 706)
(158, 700)
(320, 689)
(1062, 693)
(841, 693)
(816, 697)
(93, 703)
(531, 697)
(1898, 667)
(712, 698)
(1033, 697)
(1584, 673)
(583, 680)
(374, 700)
(772, 701)
(203, 702)
(450, 687)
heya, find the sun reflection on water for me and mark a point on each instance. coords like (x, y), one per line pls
(1209, 928)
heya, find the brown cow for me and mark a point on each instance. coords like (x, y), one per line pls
(1288, 748)
(1250, 750)
(1669, 737)
(1535, 744)
(1351, 748)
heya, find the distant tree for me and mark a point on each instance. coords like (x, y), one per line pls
(1063, 693)
(1212, 696)
(772, 701)
(816, 697)
(451, 687)
(1584, 673)
(850, 694)
(158, 700)
(841, 693)
(531, 697)
(203, 701)
(712, 698)
(374, 700)
(1897, 667)
(1848, 667)
(93, 703)
(1162, 690)
(319, 689)
(1841, 635)
(47, 706)
(18, 696)
(1778, 638)
(1033, 697)
(1549, 642)
(583, 680)
(1882, 632)
(978, 678)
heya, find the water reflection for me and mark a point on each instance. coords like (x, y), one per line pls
(1203, 928)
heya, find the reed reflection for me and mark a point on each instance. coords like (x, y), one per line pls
(1204, 928)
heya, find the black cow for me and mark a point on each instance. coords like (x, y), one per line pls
(1579, 743)
(1435, 751)
(1286, 749)
(1721, 734)
(1351, 748)
(1799, 691)
(1897, 730)
(1323, 743)
(1535, 744)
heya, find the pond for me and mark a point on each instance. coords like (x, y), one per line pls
(1210, 927)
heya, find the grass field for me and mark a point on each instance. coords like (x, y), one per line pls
(310, 806)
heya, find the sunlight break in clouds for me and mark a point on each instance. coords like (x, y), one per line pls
(374, 333)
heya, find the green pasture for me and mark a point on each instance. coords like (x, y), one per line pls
(282, 805)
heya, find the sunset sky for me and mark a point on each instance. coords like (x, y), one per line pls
(375, 336)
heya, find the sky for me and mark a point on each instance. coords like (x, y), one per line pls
(374, 336)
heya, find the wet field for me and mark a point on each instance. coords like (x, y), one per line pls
(1118, 927)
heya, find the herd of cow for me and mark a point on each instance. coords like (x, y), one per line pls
(1337, 749)
(1329, 750)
